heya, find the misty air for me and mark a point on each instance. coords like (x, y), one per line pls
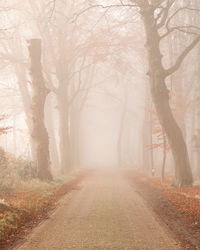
(99, 124)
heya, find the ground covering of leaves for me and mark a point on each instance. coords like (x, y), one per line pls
(20, 211)
(178, 208)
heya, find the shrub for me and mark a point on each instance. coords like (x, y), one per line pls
(13, 171)
(25, 169)
(3, 160)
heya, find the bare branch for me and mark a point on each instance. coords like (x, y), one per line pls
(80, 70)
(53, 3)
(159, 15)
(158, 3)
(165, 13)
(182, 57)
(103, 7)
(183, 29)
(176, 12)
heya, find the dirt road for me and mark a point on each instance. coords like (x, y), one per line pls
(105, 213)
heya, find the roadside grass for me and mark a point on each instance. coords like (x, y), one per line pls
(25, 200)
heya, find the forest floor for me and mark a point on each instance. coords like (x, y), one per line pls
(24, 208)
(105, 212)
(179, 209)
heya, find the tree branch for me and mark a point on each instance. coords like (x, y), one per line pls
(176, 12)
(165, 13)
(182, 29)
(180, 59)
(103, 7)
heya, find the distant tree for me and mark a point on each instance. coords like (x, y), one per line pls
(159, 140)
(71, 53)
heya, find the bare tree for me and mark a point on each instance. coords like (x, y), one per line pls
(158, 73)
(39, 132)
(157, 15)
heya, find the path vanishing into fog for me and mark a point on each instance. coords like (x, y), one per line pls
(105, 213)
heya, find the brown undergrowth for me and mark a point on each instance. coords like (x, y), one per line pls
(20, 211)
(178, 208)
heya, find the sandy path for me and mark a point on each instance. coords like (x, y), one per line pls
(106, 213)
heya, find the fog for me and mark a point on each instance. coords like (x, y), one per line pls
(99, 84)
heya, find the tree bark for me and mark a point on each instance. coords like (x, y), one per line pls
(50, 124)
(164, 156)
(198, 130)
(65, 162)
(151, 140)
(146, 164)
(39, 93)
(121, 130)
(26, 99)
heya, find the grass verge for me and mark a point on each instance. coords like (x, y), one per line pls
(22, 209)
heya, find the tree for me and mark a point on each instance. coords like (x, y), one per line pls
(63, 39)
(158, 74)
(197, 102)
(39, 93)
(157, 16)
(159, 140)
(197, 133)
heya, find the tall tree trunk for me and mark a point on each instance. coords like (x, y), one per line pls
(26, 99)
(121, 130)
(198, 133)
(50, 124)
(151, 140)
(197, 142)
(75, 119)
(39, 93)
(146, 135)
(65, 162)
(192, 145)
(79, 98)
(164, 156)
(160, 97)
